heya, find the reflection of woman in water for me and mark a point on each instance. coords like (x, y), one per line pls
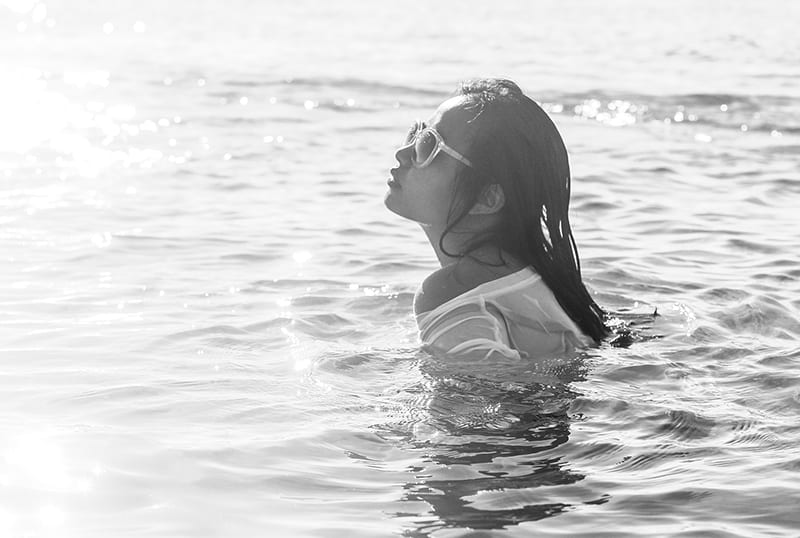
(493, 446)
(488, 179)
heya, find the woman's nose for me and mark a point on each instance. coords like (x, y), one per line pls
(404, 155)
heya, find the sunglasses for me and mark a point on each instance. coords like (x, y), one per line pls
(426, 143)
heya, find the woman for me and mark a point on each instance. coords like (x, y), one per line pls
(488, 179)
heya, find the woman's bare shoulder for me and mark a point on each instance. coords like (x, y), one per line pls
(452, 280)
(437, 288)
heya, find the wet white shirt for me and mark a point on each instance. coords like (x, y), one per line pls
(515, 316)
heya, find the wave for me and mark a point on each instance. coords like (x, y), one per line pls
(776, 114)
(339, 83)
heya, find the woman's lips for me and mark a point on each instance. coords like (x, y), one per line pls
(392, 181)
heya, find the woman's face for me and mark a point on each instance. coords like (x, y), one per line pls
(424, 195)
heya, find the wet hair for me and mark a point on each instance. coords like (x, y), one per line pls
(516, 145)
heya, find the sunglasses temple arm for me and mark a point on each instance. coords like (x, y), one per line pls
(454, 154)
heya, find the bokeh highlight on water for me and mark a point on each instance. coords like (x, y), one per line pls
(205, 322)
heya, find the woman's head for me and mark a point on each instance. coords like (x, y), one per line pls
(423, 184)
(508, 154)
(516, 187)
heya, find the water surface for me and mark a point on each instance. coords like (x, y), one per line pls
(205, 318)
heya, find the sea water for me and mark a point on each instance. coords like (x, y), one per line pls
(205, 316)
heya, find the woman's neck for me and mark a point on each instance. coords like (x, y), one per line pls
(456, 243)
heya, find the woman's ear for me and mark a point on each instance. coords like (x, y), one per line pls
(491, 200)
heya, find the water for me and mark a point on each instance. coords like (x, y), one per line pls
(205, 322)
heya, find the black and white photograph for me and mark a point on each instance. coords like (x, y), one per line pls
(364, 269)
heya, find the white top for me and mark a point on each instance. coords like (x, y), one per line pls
(515, 316)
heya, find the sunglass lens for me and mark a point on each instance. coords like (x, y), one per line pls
(412, 133)
(424, 146)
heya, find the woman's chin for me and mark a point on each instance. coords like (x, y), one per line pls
(394, 203)
(390, 202)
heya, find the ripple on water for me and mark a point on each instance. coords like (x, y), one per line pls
(752, 435)
(760, 315)
(786, 360)
(397, 304)
(259, 256)
(213, 330)
(752, 246)
(328, 326)
(637, 372)
(294, 283)
(686, 426)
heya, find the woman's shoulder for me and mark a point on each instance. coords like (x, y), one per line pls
(437, 288)
(453, 280)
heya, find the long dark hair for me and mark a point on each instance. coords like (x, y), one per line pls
(516, 145)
